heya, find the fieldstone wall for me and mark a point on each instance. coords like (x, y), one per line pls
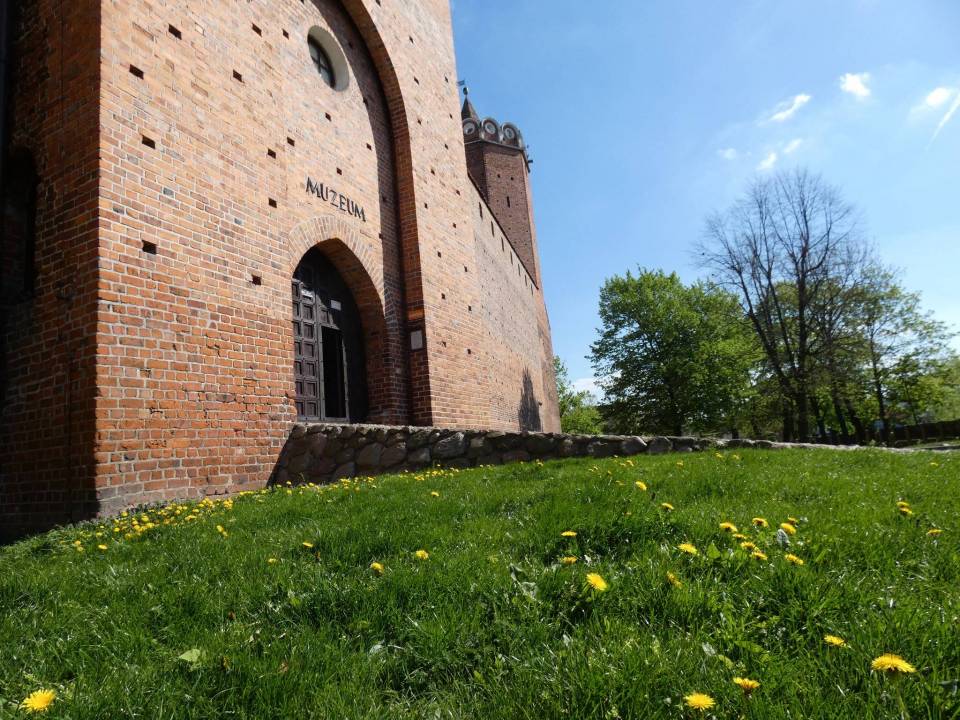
(320, 453)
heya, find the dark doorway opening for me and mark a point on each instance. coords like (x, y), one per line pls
(329, 363)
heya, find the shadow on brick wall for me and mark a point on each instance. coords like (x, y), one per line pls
(528, 415)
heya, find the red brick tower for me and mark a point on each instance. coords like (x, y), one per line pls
(498, 164)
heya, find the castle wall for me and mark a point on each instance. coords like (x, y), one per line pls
(47, 348)
(517, 364)
(196, 348)
(198, 156)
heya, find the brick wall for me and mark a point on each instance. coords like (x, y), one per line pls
(47, 404)
(502, 177)
(208, 118)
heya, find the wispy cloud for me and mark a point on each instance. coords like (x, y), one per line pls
(938, 97)
(792, 146)
(856, 84)
(768, 162)
(728, 153)
(788, 108)
(947, 118)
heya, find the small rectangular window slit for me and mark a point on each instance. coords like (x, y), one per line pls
(136, 72)
(272, 202)
(149, 142)
(256, 29)
(149, 248)
(291, 142)
(174, 31)
(272, 153)
(256, 280)
(237, 76)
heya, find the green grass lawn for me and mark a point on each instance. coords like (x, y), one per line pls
(277, 612)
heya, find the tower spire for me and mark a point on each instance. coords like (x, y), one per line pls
(469, 112)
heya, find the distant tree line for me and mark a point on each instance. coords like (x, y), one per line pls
(800, 332)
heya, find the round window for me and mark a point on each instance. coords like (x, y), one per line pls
(328, 59)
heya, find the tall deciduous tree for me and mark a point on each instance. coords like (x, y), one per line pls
(781, 249)
(671, 357)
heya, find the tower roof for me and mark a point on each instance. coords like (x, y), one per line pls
(469, 112)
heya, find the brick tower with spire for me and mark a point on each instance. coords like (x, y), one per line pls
(499, 166)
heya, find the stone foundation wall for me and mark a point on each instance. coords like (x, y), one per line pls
(320, 453)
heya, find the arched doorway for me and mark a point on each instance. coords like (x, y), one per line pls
(329, 363)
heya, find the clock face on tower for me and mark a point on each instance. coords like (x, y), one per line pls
(490, 128)
(509, 133)
(469, 128)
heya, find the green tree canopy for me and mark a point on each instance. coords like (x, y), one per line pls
(672, 357)
(578, 409)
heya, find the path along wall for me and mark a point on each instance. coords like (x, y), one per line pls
(320, 453)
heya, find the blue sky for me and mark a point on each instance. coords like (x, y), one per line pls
(643, 117)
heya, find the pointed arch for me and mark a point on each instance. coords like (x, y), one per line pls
(352, 255)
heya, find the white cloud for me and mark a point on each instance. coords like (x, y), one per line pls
(856, 84)
(947, 118)
(768, 162)
(590, 385)
(788, 108)
(728, 153)
(792, 146)
(938, 97)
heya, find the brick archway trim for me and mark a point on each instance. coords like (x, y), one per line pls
(318, 231)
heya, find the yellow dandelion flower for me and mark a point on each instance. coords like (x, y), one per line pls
(568, 560)
(791, 558)
(38, 700)
(735, 456)
(933, 532)
(739, 536)
(729, 527)
(834, 640)
(888, 662)
(718, 456)
(679, 463)
(641, 484)
(434, 493)
(674, 580)
(757, 555)
(760, 522)
(377, 568)
(666, 506)
(596, 582)
(902, 504)
(688, 548)
(308, 545)
(748, 546)
(568, 533)
(271, 561)
(746, 684)
(699, 701)
(793, 520)
(905, 511)
(101, 547)
(422, 555)
(788, 528)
